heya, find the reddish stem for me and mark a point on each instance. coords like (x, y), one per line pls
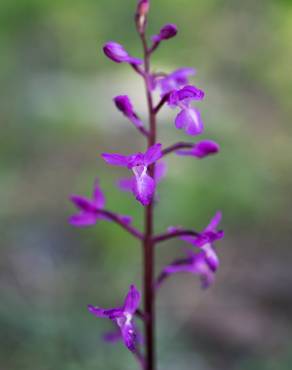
(174, 234)
(161, 103)
(148, 244)
(143, 131)
(138, 69)
(154, 47)
(177, 146)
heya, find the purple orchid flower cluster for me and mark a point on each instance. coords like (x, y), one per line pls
(147, 170)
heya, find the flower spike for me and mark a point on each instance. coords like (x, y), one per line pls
(147, 170)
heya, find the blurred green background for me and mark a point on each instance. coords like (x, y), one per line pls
(56, 117)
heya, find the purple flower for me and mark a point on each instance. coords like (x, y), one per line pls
(144, 185)
(118, 54)
(189, 118)
(89, 208)
(206, 262)
(126, 184)
(174, 80)
(123, 317)
(204, 241)
(123, 103)
(186, 94)
(194, 263)
(201, 149)
(167, 32)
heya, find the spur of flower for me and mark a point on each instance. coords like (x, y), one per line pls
(143, 186)
(90, 209)
(123, 317)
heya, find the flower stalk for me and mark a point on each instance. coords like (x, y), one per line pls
(147, 171)
(148, 243)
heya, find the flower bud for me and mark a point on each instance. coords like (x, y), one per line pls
(123, 103)
(143, 8)
(118, 54)
(167, 32)
(141, 15)
(201, 149)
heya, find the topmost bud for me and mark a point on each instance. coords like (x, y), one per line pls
(141, 15)
(143, 7)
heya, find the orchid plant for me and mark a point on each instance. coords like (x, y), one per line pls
(147, 171)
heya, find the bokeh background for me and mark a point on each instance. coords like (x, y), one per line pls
(56, 116)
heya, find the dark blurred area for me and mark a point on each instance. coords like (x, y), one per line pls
(56, 116)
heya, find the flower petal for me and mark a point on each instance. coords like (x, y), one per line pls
(129, 336)
(83, 203)
(215, 221)
(180, 120)
(190, 92)
(98, 196)
(160, 171)
(211, 256)
(132, 300)
(112, 336)
(190, 120)
(152, 154)
(116, 159)
(83, 219)
(174, 80)
(112, 313)
(181, 75)
(126, 184)
(144, 186)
